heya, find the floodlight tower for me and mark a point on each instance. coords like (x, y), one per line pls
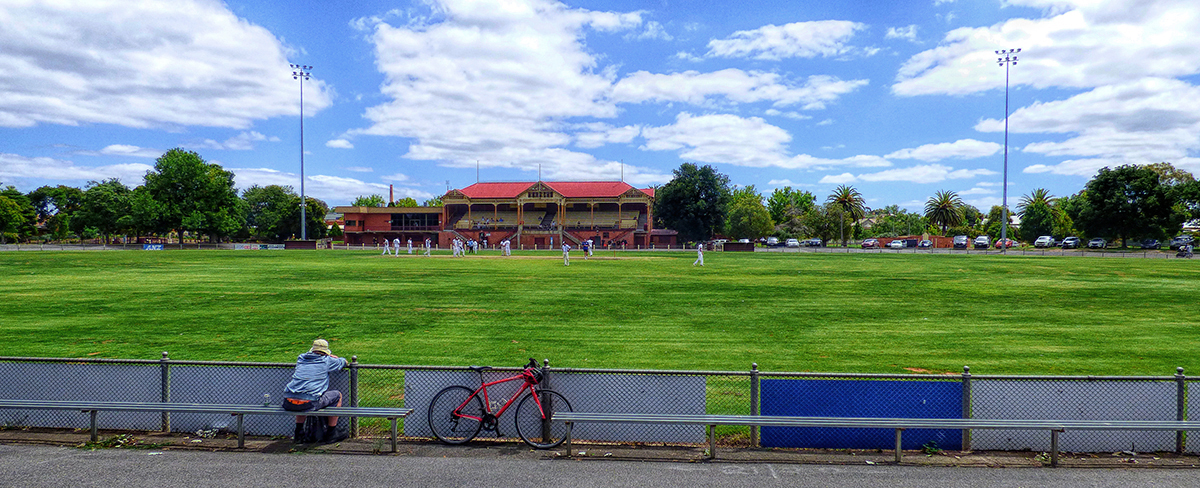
(1009, 59)
(301, 73)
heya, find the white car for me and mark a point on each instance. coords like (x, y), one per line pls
(896, 244)
(1045, 241)
(772, 241)
(792, 243)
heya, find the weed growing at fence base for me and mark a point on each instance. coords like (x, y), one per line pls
(877, 313)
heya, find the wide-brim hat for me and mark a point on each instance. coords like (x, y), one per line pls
(321, 345)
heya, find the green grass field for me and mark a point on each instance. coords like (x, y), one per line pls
(876, 313)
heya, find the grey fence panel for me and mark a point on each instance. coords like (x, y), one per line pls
(1193, 413)
(585, 392)
(1073, 400)
(95, 382)
(242, 386)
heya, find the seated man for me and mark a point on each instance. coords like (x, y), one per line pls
(309, 389)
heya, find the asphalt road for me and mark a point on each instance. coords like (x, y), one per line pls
(38, 466)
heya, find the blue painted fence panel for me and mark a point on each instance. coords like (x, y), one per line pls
(857, 398)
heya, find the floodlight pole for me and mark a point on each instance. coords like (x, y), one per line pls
(301, 73)
(1010, 58)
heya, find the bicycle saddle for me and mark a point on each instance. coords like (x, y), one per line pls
(480, 368)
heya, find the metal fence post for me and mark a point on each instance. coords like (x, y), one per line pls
(1180, 406)
(547, 402)
(966, 406)
(164, 366)
(354, 394)
(754, 403)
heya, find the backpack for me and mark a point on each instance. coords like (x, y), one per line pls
(314, 428)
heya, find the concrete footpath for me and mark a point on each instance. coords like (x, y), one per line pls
(380, 446)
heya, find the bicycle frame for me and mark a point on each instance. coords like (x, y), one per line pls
(487, 405)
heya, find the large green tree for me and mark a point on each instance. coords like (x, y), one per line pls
(945, 210)
(694, 203)
(269, 209)
(10, 217)
(106, 207)
(55, 205)
(1037, 213)
(1128, 202)
(368, 201)
(748, 217)
(194, 195)
(849, 202)
(26, 226)
(784, 203)
(995, 217)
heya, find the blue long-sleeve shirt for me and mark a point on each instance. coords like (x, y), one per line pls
(311, 378)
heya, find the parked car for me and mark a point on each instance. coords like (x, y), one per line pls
(1182, 240)
(870, 243)
(792, 243)
(773, 241)
(960, 242)
(925, 244)
(896, 244)
(1150, 244)
(982, 242)
(1005, 244)
(1070, 242)
(1097, 243)
(1044, 241)
(814, 242)
(743, 241)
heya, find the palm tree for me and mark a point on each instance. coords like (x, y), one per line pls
(850, 203)
(1040, 195)
(944, 208)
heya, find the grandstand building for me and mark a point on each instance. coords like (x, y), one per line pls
(531, 214)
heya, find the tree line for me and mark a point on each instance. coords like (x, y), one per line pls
(1128, 202)
(182, 195)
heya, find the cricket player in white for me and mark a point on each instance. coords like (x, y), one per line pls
(428, 246)
(410, 246)
(507, 247)
(454, 247)
(699, 255)
(566, 254)
(591, 245)
(386, 250)
(396, 246)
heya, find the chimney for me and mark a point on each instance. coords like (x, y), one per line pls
(390, 192)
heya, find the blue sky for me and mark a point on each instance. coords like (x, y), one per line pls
(898, 99)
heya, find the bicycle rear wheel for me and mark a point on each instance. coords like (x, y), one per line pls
(454, 427)
(531, 426)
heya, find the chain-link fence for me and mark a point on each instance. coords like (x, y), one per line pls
(748, 392)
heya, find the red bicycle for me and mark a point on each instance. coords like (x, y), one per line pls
(458, 413)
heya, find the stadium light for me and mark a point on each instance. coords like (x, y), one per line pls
(1009, 58)
(301, 73)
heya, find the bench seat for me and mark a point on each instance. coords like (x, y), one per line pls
(392, 414)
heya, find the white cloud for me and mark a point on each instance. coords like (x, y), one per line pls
(600, 134)
(15, 168)
(791, 115)
(733, 84)
(1147, 120)
(976, 191)
(825, 122)
(125, 150)
(929, 173)
(960, 149)
(908, 33)
(395, 178)
(359, 169)
(838, 179)
(241, 142)
(653, 30)
(741, 141)
(796, 40)
(515, 71)
(334, 190)
(130, 64)
(339, 144)
(1077, 45)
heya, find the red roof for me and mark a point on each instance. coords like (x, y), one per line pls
(648, 191)
(580, 189)
(495, 190)
(568, 189)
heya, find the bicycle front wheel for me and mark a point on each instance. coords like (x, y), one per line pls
(542, 431)
(454, 415)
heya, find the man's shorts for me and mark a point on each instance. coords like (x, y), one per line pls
(331, 397)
